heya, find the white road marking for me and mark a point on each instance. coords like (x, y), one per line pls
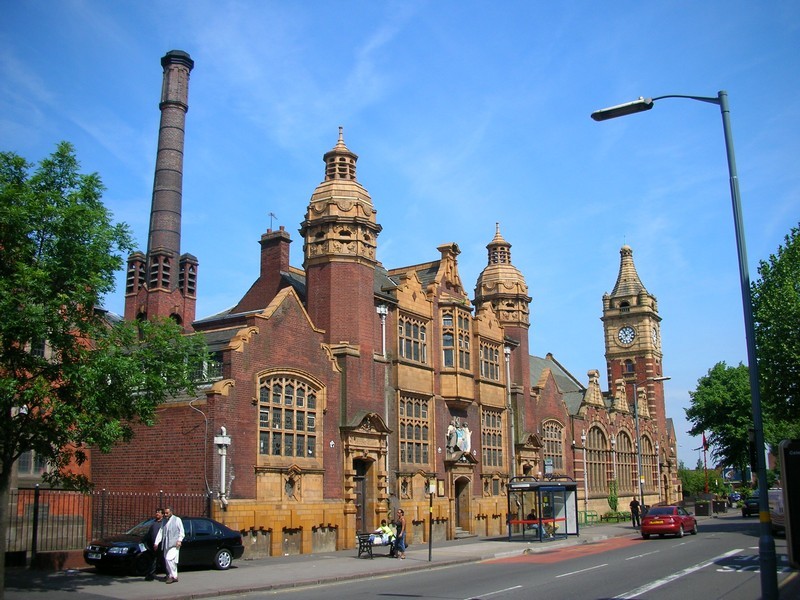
(645, 554)
(659, 582)
(581, 571)
(487, 594)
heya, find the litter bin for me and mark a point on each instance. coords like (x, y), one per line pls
(720, 506)
(701, 509)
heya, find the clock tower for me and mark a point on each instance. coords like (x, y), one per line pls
(633, 338)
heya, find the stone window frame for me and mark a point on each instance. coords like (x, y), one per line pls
(412, 339)
(553, 443)
(489, 354)
(597, 460)
(304, 410)
(649, 463)
(456, 339)
(626, 462)
(419, 424)
(492, 438)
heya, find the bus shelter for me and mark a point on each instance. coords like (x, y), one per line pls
(543, 510)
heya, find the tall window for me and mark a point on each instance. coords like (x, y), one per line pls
(553, 444)
(463, 341)
(413, 341)
(626, 463)
(30, 463)
(287, 417)
(456, 339)
(597, 460)
(649, 466)
(415, 426)
(490, 361)
(492, 438)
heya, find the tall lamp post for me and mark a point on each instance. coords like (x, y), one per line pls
(638, 435)
(766, 544)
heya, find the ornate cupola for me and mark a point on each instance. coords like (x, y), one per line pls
(501, 284)
(340, 236)
(340, 222)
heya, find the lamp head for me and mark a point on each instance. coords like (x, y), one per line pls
(621, 110)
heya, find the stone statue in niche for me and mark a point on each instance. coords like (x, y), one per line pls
(459, 437)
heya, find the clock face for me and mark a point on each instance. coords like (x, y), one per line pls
(626, 334)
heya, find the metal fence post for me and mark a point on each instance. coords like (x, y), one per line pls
(35, 534)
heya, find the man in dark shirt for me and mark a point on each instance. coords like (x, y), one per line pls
(150, 542)
(635, 512)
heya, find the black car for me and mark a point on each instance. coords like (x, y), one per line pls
(207, 543)
(750, 506)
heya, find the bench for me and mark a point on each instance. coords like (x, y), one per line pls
(616, 517)
(366, 541)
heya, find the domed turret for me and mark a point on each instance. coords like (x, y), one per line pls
(501, 284)
(340, 221)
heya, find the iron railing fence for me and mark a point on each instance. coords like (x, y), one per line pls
(42, 520)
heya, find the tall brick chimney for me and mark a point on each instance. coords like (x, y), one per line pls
(163, 283)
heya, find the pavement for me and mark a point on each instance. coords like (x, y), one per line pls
(309, 569)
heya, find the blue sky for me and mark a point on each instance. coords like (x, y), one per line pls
(463, 114)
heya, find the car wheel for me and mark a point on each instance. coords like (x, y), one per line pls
(680, 531)
(141, 565)
(645, 536)
(694, 530)
(223, 559)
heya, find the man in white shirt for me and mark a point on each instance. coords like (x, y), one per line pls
(170, 538)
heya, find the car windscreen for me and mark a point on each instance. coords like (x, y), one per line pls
(141, 529)
(660, 510)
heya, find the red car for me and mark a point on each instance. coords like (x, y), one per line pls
(662, 520)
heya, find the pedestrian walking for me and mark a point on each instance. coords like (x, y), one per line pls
(635, 512)
(170, 538)
(150, 542)
(400, 539)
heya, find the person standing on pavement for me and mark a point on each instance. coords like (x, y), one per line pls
(400, 539)
(635, 512)
(150, 542)
(170, 537)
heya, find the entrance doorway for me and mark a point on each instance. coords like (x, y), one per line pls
(462, 504)
(363, 498)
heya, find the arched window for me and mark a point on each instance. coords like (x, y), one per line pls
(649, 464)
(597, 461)
(552, 434)
(287, 409)
(626, 463)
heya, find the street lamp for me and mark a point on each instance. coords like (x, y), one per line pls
(638, 435)
(766, 544)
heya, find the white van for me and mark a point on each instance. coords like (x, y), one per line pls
(776, 515)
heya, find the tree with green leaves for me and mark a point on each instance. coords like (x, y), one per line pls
(721, 409)
(71, 377)
(776, 316)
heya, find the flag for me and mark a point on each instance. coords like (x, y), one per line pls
(705, 443)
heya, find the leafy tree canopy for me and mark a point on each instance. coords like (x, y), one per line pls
(71, 376)
(722, 410)
(776, 314)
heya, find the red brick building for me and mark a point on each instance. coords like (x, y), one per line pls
(338, 390)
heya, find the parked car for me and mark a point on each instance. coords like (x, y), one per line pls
(207, 543)
(662, 520)
(750, 505)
